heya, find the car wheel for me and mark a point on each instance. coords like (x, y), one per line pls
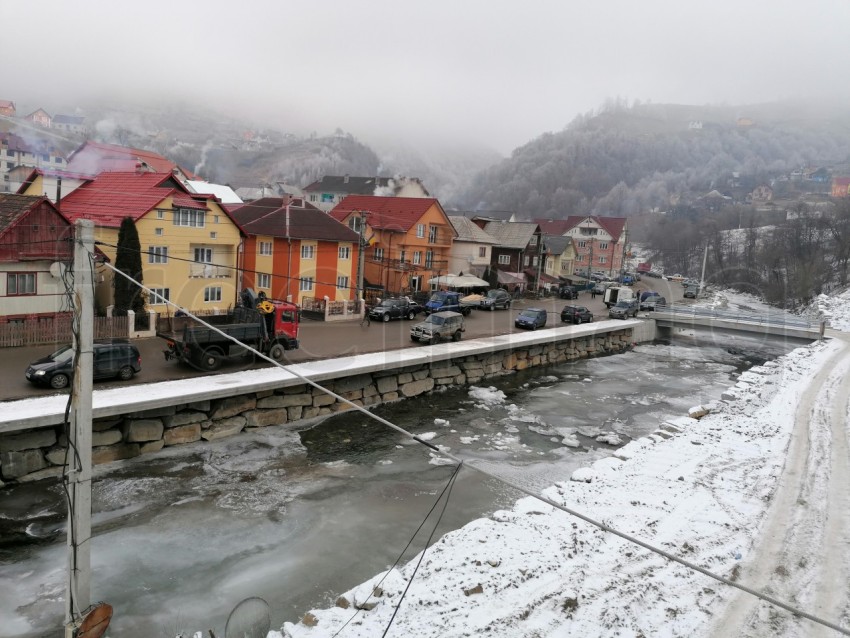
(211, 360)
(386, 317)
(277, 352)
(492, 307)
(126, 373)
(435, 340)
(411, 315)
(507, 305)
(59, 381)
(578, 319)
(456, 336)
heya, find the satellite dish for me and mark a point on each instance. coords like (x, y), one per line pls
(96, 622)
(249, 619)
(57, 268)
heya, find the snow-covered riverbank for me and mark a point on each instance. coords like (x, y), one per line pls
(702, 494)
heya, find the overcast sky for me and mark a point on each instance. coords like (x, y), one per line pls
(490, 71)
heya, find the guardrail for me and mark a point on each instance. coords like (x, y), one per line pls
(729, 315)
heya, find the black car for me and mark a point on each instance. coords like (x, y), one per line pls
(110, 360)
(496, 298)
(568, 292)
(395, 309)
(576, 314)
(652, 302)
(532, 318)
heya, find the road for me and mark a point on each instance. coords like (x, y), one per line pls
(318, 340)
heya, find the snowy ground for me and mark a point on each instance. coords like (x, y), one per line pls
(754, 492)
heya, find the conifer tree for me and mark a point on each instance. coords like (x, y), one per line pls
(128, 259)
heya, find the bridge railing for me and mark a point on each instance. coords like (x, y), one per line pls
(767, 318)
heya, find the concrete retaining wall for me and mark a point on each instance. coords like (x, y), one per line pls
(38, 451)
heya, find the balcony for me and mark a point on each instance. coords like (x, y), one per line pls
(209, 271)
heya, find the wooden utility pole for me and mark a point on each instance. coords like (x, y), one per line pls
(78, 467)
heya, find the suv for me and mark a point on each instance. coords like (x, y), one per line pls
(568, 292)
(576, 314)
(110, 359)
(691, 291)
(623, 308)
(532, 318)
(496, 298)
(395, 309)
(651, 302)
(438, 327)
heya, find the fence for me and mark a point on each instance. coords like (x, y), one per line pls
(57, 330)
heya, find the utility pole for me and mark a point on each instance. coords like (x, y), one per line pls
(78, 465)
(541, 255)
(702, 276)
(361, 256)
(625, 247)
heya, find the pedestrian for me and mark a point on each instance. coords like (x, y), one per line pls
(366, 320)
(593, 293)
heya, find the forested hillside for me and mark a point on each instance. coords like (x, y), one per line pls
(625, 160)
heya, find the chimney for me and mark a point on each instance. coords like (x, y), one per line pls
(345, 180)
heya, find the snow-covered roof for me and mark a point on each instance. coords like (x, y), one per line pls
(226, 194)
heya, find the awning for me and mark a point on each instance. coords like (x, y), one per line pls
(544, 278)
(505, 277)
(458, 281)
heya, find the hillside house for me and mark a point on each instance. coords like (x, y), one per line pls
(40, 117)
(599, 241)
(190, 244)
(7, 108)
(16, 152)
(34, 238)
(841, 186)
(330, 190)
(410, 239)
(295, 251)
(49, 183)
(73, 124)
(93, 158)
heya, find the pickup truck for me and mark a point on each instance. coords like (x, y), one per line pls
(388, 309)
(447, 300)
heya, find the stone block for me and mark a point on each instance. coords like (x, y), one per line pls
(294, 389)
(30, 440)
(405, 377)
(184, 418)
(56, 455)
(310, 413)
(200, 406)
(352, 395)
(107, 437)
(293, 413)
(231, 406)
(117, 452)
(323, 399)
(99, 425)
(370, 391)
(421, 374)
(181, 434)
(140, 430)
(262, 394)
(223, 428)
(444, 381)
(262, 418)
(166, 410)
(14, 464)
(151, 446)
(356, 382)
(415, 388)
(387, 384)
(47, 473)
(285, 401)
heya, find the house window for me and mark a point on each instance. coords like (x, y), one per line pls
(212, 293)
(603, 245)
(344, 252)
(327, 198)
(157, 231)
(526, 262)
(213, 235)
(189, 217)
(159, 296)
(582, 244)
(402, 256)
(564, 267)
(265, 247)
(342, 282)
(308, 251)
(504, 259)
(305, 284)
(160, 214)
(264, 280)
(533, 261)
(533, 241)
(482, 251)
(548, 264)
(429, 258)
(420, 230)
(215, 219)
(313, 198)
(354, 224)
(158, 255)
(416, 283)
(603, 260)
(432, 235)
(203, 255)
(20, 283)
(379, 254)
(417, 257)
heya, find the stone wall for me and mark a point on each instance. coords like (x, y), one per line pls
(40, 453)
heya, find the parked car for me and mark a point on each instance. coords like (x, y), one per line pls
(600, 288)
(110, 359)
(395, 309)
(496, 298)
(652, 302)
(576, 314)
(623, 308)
(439, 326)
(532, 318)
(446, 300)
(654, 274)
(628, 280)
(691, 292)
(568, 292)
(676, 277)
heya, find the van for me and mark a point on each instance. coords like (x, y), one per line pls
(616, 293)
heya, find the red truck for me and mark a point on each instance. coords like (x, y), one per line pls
(644, 267)
(268, 325)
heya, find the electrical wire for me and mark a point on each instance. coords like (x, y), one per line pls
(572, 512)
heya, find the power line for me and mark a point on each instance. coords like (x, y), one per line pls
(572, 512)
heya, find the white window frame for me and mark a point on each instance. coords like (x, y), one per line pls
(156, 293)
(264, 280)
(157, 254)
(157, 232)
(603, 259)
(379, 254)
(429, 258)
(212, 294)
(504, 259)
(308, 251)
(305, 284)
(482, 251)
(603, 245)
(417, 257)
(344, 252)
(582, 244)
(190, 217)
(527, 260)
(420, 231)
(264, 247)
(342, 282)
(433, 232)
(203, 255)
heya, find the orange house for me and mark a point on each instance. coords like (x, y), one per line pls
(840, 186)
(409, 239)
(295, 251)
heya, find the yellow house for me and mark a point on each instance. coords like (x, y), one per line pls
(189, 242)
(560, 256)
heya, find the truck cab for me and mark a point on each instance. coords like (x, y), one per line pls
(446, 300)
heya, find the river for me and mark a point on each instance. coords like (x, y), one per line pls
(296, 517)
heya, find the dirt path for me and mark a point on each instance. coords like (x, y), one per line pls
(804, 546)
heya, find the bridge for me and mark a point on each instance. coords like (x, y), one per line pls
(768, 324)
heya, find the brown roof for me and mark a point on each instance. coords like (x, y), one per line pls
(13, 207)
(268, 216)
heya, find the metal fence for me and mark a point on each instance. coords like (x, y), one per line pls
(38, 332)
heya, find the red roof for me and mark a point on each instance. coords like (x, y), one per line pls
(388, 213)
(841, 181)
(110, 197)
(93, 158)
(612, 225)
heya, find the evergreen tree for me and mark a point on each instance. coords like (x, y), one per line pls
(128, 259)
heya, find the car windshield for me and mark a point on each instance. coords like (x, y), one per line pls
(386, 303)
(65, 353)
(437, 321)
(439, 296)
(492, 294)
(528, 313)
(622, 304)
